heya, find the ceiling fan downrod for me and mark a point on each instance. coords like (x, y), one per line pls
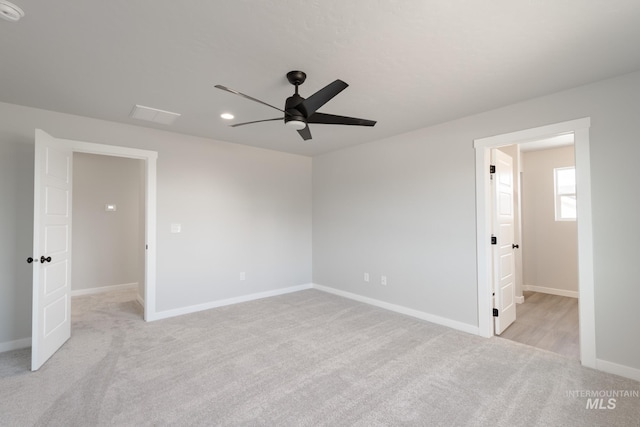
(294, 119)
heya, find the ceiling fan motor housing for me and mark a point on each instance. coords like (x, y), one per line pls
(292, 113)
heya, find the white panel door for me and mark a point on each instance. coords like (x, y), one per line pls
(51, 323)
(503, 252)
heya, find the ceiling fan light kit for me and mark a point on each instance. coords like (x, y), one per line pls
(10, 11)
(299, 112)
(296, 124)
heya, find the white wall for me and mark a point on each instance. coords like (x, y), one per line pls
(241, 209)
(106, 245)
(549, 247)
(405, 207)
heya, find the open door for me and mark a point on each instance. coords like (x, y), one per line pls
(504, 285)
(51, 321)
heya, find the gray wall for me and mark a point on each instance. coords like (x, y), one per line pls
(241, 209)
(550, 247)
(106, 245)
(405, 207)
(16, 236)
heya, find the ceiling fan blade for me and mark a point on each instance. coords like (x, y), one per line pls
(305, 133)
(330, 119)
(255, 121)
(235, 92)
(321, 97)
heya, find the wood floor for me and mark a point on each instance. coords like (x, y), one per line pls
(547, 321)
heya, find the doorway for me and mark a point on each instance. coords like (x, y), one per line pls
(52, 230)
(545, 243)
(483, 146)
(149, 158)
(108, 225)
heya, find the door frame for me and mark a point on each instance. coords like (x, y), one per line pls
(150, 160)
(586, 305)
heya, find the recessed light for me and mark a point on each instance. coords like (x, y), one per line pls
(10, 11)
(227, 116)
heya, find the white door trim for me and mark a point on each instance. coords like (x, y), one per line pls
(150, 159)
(580, 129)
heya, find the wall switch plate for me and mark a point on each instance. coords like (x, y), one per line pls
(243, 275)
(176, 228)
(383, 280)
(110, 207)
(366, 277)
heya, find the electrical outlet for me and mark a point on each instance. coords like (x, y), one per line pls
(243, 276)
(383, 280)
(366, 277)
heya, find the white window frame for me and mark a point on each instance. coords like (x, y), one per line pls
(558, 196)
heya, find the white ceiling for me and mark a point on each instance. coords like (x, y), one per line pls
(556, 141)
(409, 63)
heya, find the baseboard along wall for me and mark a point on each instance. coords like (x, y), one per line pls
(101, 289)
(15, 345)
(621, 370)
(454, 324)
(552, 291)
(229, 301)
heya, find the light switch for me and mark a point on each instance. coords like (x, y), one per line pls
(109, 207)
(176, 228)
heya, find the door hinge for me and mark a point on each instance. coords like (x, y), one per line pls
(492, 168)
(494, 240)
(495, 312)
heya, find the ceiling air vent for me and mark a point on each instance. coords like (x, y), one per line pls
(153, 115)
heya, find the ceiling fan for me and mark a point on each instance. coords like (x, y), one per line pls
(299, 112)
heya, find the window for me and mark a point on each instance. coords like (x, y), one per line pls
(565, 192)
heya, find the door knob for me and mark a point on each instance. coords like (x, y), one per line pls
(43, 259)
(30, 260)
(514, 246)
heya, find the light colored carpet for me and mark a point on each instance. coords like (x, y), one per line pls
(302, 359)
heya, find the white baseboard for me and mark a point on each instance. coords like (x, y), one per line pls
(520, 300)
(229, 301)
(90, 291)
(552, 291)
(15, 345)
(614, 368)
(464, 327)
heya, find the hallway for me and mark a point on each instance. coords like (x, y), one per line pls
(549, 322)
